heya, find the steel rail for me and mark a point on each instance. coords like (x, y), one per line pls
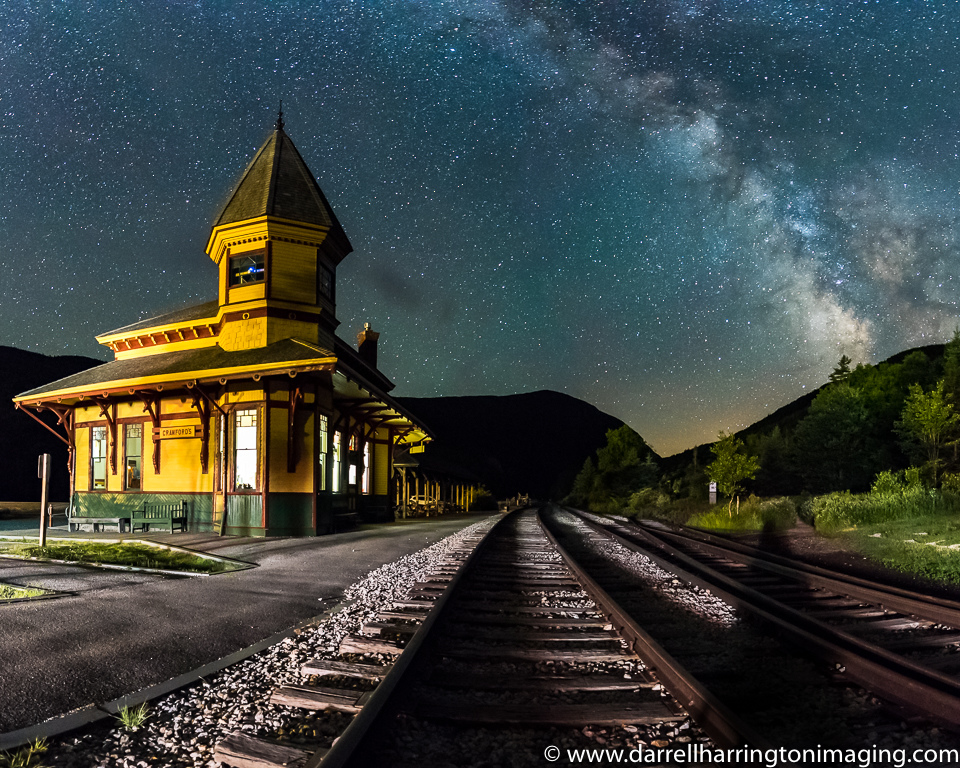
(349, 743)
(714, 717)
(894, 598)
(893, 677)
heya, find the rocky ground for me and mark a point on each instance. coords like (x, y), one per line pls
(182, 729)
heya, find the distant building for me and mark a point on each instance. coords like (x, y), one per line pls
(248, 406)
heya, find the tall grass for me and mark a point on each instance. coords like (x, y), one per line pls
(131, 718)
(891, 498)
(25, 757)
(754, 514)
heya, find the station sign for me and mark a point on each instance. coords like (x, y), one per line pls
(170, 433)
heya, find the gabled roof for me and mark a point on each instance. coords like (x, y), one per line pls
(278, 183)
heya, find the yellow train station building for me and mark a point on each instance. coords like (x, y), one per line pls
(248, 408)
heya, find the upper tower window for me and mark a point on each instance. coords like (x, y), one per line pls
(325, 281)
(247, 268)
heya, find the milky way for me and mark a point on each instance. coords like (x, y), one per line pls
(682, 212)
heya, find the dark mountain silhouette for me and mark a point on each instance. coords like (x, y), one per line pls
(22, 440)
(531, 443)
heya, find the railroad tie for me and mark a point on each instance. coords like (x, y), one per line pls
(318, 698)
(371, 672)
(557, 715)
(362, 644)
(242, 751)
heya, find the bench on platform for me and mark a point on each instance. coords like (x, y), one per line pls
(344, 521)
(97, 522)
(165, 515)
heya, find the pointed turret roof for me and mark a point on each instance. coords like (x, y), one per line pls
(278, 183)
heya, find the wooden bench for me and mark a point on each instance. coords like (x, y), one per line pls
(343, 521)
(166, 515)
(97, 522)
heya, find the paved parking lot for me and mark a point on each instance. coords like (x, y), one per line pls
(119, 632)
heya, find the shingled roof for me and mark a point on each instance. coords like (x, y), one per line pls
(278, 183)
(188, 364)
(185, 315)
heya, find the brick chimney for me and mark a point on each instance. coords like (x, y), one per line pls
(367, 345)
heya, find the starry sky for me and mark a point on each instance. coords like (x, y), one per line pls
(681, 211)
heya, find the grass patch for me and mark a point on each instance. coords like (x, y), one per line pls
(131, 718)
(920, 545)
(13, 592)
(778, 514)
(899, 523)
(131, 554)
(25, 757)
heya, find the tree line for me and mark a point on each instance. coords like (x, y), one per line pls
(866, 420)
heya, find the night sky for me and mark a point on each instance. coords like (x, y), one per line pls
(683, 212)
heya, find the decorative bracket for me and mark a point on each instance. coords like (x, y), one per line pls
(151, 405)
(67, 440)
(202, 404)
(108, 411)
(293, 445)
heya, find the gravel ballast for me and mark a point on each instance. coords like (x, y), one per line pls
(183, 727)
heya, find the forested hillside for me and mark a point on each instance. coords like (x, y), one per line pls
(842, 435)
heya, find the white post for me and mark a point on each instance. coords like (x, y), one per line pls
(43, 472)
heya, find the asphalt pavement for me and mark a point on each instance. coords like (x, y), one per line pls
(118, 632)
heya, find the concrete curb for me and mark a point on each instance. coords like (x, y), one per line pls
(93, 713)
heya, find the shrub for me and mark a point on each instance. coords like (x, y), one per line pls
(836, 511)
(950, 481)
(648, 498)
(778, 514)
(887, 483)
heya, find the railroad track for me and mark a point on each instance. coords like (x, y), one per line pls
(901, 645)
(509, 634)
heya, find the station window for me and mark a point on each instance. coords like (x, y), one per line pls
(325, 285)
(365, 480)
(337, 460)
(247, 268)
(352, 467)
(323, 439)
(133, 456)
(245, 453)
(98, 458)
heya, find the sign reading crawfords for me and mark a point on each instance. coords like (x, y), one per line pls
(168, 433)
